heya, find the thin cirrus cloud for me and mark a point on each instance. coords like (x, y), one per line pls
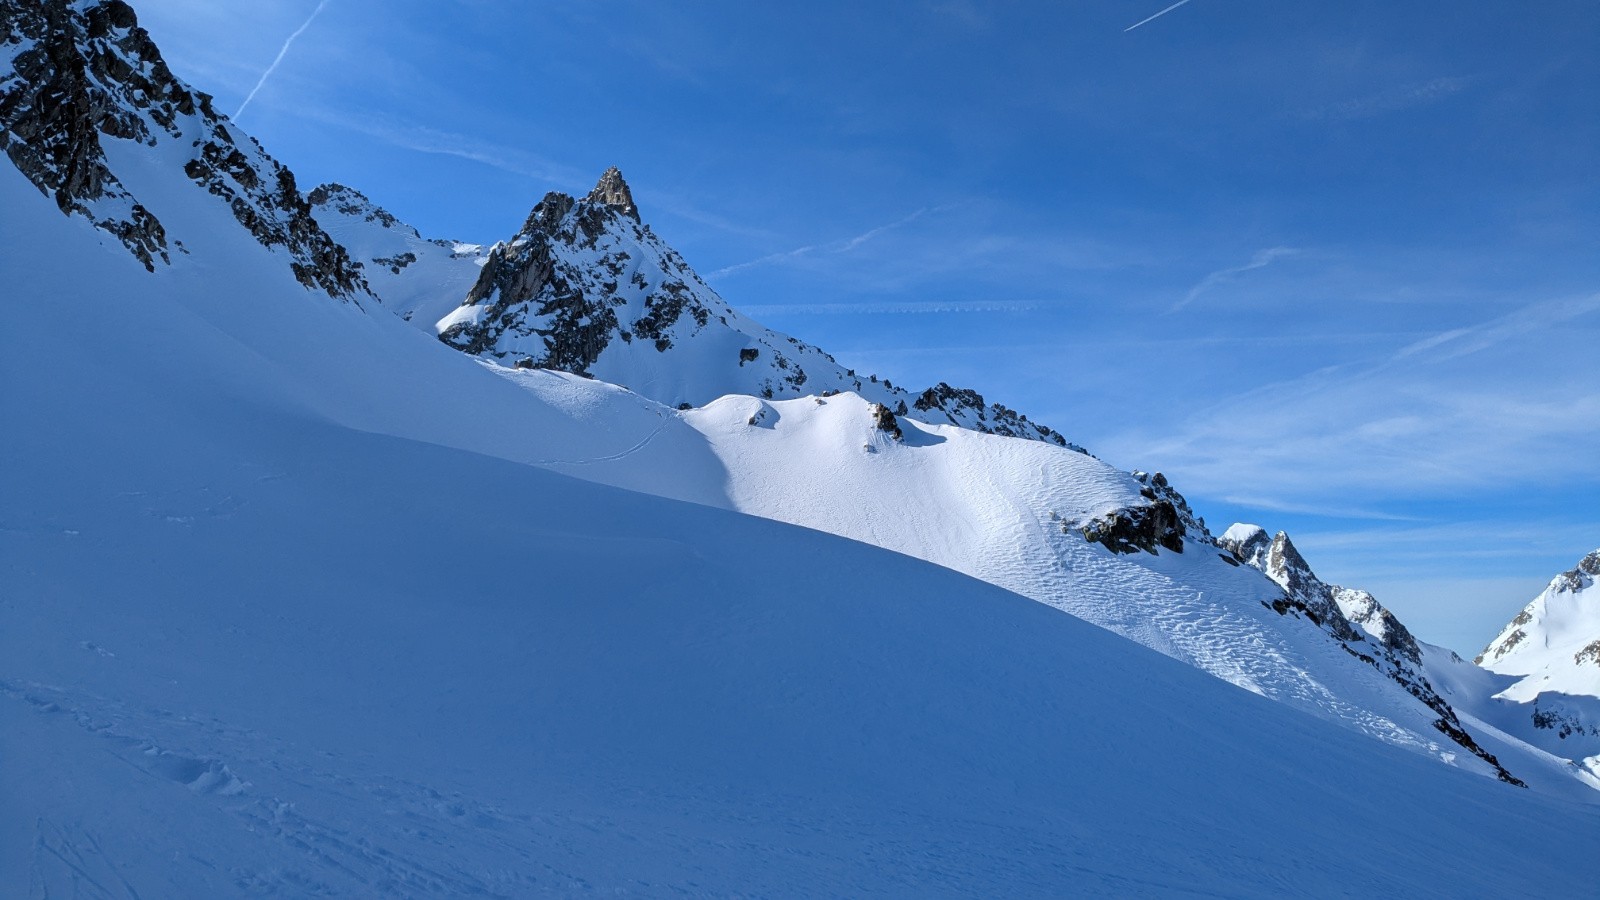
(832, 248)
(1529, 319)
(1425, 420)
(422, 139)
(1260, 260)
(1392, 100)
(930, 308)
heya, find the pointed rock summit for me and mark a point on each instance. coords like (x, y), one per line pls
(613, 192)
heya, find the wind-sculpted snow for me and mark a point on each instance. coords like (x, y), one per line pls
(281, 617)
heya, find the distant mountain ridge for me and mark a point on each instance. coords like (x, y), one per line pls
(586, 287)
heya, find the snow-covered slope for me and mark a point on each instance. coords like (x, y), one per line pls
(1042, 522)
(1550, 655)
(587, 288)
(419, 280)
(1121, 550)
(291, 606)
(267, 631)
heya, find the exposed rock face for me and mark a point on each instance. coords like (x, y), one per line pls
(83, 73)
(1507, 641)
(54, 108)
(883, 420)
(1589, 654)
(613, 192)
(351, 202)
(960, 406)
(1164, 522)
(1579, 577)
(1382, 642)
(1137, 528)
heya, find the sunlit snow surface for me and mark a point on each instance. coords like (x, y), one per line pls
(285, 611)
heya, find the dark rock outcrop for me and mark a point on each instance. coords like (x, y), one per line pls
(966, 407)
(1137, 528)
(55, 105)
(1163, 521)
(84, 73)
(883, 419)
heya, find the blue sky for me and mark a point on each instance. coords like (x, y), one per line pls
(1333, 267)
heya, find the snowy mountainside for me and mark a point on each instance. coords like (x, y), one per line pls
(1362, 626)
(1080, 545)
(81, 83)
(1550, 651)
(586, 267)
(418, 279)
(353, 645)
(1059, 527)
(290, 604)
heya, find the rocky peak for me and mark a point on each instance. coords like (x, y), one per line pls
(585, 287)
(547, 214)
(1579, 577)
(1250, 544)
(613, 192)
(1286, 566)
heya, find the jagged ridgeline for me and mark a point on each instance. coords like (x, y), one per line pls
(75, 75)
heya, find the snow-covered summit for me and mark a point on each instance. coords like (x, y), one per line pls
(1552, 647)
(1560, 628)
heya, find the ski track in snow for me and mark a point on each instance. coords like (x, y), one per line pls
(411, 811)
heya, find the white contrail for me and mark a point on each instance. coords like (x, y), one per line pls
(1155, 17)
(279, 58)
